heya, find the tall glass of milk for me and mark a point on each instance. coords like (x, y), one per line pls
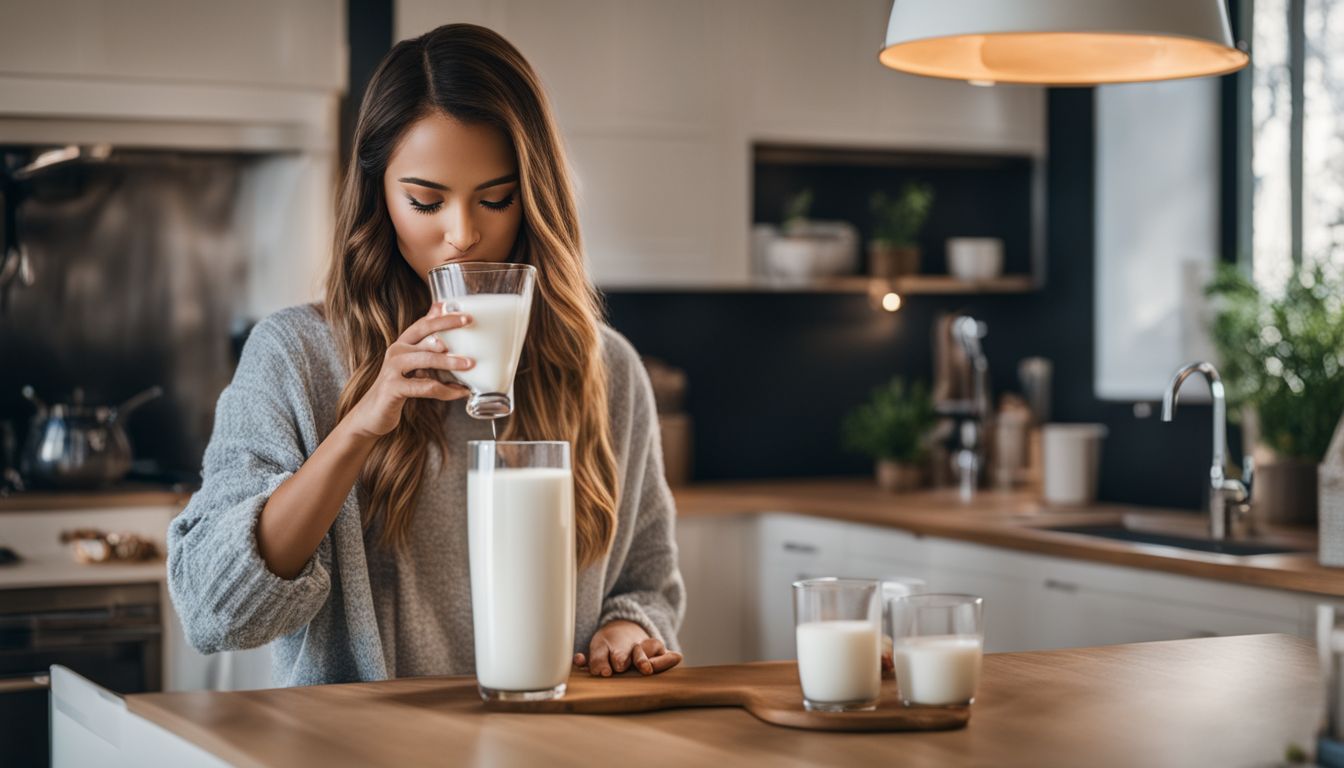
(937, 646)
(498, 297)
(520, 536)
(838, 625)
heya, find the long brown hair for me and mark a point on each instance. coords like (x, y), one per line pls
(472, 74)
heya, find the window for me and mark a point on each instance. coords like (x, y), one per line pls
(1297, 136)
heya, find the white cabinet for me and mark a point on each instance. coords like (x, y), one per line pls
(1032, 602)
(660, 102)
(717, 558)
(296, 43)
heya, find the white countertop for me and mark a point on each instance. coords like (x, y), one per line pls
(61, 570)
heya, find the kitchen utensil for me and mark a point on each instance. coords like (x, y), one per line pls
(79, 446)
(768, 690)
(1072, 461)
(1034, 373)
(975, 258)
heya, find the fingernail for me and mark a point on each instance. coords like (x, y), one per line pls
(464, 320)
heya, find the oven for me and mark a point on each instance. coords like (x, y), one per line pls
(110, 634)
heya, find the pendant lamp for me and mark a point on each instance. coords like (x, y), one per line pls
(1061, 42)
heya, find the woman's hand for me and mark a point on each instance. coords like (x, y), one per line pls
(411, 369)
(620, 645)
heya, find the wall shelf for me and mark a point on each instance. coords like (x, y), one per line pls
(913, 285)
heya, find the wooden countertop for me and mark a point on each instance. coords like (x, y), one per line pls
(1211, 701)
(1015, 520)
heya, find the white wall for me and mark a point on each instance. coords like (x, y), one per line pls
(660, 101)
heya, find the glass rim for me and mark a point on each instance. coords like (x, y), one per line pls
(940, 599)
(835, 581)
(483, 266)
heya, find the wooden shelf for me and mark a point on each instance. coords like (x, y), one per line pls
(913, 285)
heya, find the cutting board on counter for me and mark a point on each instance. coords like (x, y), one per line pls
(768, 690)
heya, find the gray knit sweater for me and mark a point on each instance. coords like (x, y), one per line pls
(356, 612)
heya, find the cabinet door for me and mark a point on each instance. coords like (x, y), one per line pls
(716, 556)
(297, 43)
(792, 547)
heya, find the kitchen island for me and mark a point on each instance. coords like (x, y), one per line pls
(1211, 701)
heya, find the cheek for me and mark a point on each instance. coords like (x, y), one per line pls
(414, 231)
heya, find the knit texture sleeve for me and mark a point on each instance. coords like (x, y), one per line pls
(221, 588)
(648, 589)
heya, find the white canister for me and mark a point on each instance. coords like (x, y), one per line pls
(975, 258)
(1072, 458)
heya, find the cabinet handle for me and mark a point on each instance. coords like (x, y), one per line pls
(802, 549)
(1062, 586)
(19, 684)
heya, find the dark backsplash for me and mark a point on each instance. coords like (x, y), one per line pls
(772, 374)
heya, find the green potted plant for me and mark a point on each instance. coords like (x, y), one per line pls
(893, 249)
(892, 428)
(1282, 355)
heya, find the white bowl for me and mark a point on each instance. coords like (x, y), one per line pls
(975, 258)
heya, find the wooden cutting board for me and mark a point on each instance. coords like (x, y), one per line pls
(769, 690)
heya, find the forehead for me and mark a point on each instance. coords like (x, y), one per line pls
(444, 149)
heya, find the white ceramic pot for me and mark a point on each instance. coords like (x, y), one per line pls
(975, 258)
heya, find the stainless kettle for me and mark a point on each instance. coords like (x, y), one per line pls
(79, 446)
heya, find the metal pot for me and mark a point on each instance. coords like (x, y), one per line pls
(79, 446)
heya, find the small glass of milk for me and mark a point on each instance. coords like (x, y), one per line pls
(498, 298)
(839, 628)
(937, 647)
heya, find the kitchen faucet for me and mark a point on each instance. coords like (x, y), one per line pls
(1229, 498)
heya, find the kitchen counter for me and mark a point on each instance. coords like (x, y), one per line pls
(1211, 701)
(1015, 520)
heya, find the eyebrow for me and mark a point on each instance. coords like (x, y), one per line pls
(443, 187)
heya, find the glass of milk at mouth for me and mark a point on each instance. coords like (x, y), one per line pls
(520, 538)
(838, 625)
(498, 298)
(937, 646)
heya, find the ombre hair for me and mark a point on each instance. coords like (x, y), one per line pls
(474, 75)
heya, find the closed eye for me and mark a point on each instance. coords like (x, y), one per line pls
(499, 205)
(424, 207)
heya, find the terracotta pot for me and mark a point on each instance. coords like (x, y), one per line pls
(899, 476)
(887, 260)
(1284, 492)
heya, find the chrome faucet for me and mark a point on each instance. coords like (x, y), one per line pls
(1229, 498)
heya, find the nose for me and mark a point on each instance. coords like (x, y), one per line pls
(461, 233)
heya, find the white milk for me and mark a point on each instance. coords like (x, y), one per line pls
(839, 660)
(493, 339)
(520, 530)
(938, 669)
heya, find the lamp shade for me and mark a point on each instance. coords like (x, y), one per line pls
(1061, 42)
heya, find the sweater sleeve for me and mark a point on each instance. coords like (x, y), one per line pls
(223, 591)
(649, 590)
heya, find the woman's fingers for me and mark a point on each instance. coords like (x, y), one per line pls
(433, 322)
(599, 659)
(580, 661)
(407, 360)
(641, 660)
(432, 389)
(659, 657)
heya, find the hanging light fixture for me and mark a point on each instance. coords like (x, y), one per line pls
(1061, 42)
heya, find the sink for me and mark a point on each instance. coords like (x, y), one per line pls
(1122, 533)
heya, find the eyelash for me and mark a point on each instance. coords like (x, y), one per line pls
(487, 204)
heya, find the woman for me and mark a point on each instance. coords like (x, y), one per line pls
(332, 515)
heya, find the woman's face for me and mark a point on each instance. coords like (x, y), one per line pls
(452, 191)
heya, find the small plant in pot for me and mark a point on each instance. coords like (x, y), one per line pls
(1282, 355)
(892, 428)
(893, 250)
